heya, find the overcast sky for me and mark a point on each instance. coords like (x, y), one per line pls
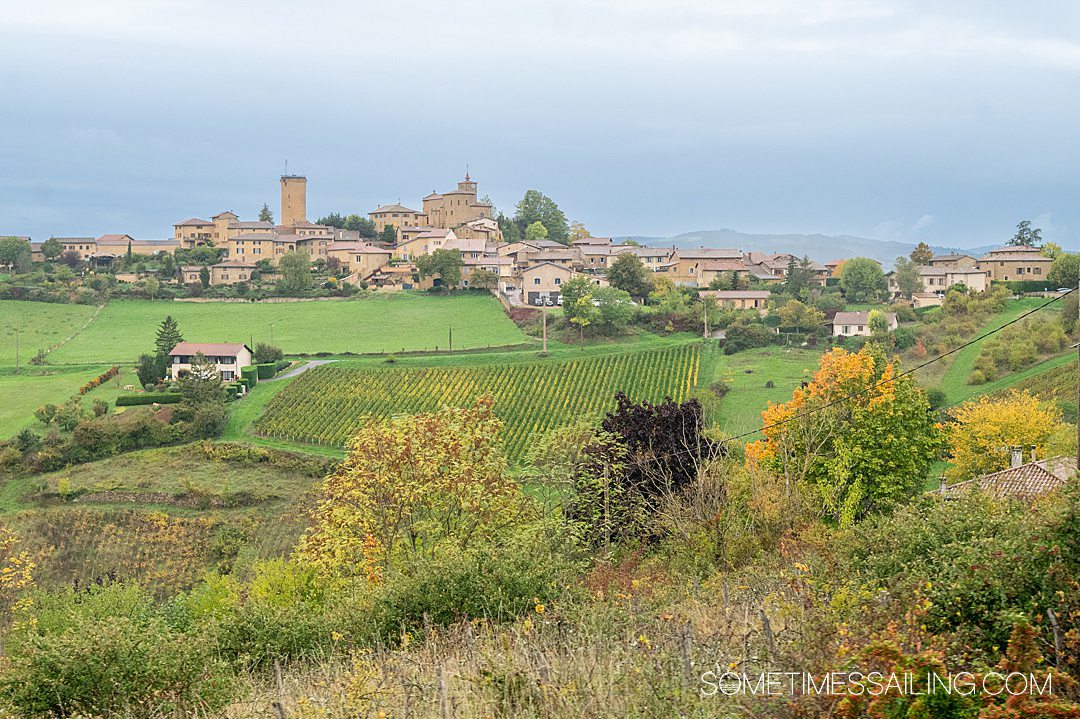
(944, 121)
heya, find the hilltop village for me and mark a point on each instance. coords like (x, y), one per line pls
(393, 248)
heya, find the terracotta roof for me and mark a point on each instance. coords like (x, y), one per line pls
(709, 253)
(114, 238)
(394, 208)
(859, 318)
(256, 224)
(192, 221)
(996, 256)
(738, 294)
(359, 248)
(538, 265)
(236, 263)
(477, 244)
(1014, 248)
(223, 214)
(1025, 482)
(207, 348)
(946, 259)
(553, 255)
(435, 232)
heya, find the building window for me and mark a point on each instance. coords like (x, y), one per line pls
(536, 280)
(558, 280)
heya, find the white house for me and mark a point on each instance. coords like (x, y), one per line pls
(228, 358)
(851, 324)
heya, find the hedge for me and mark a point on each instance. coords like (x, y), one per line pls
(1021, 286)
(250, 374)
(100, 379)
(266, 371)
(128, 400)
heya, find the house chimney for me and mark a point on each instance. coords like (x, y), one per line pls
(1033, 457)
(1017, 456)
(942, 484)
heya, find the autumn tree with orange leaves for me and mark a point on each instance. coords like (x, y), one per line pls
(410, 487)
(858, 434)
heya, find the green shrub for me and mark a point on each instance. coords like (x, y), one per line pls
(131, 400)
(903, 338)
(266, 371)
(497, 582)
(281, 615)
(250, 375)
(106, 651)
(741, 337)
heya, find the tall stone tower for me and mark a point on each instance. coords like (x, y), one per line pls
(293, 199)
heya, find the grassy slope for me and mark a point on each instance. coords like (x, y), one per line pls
(164, 545)
(21, 394)
(40, 325)
(389, 323)
(955, 378)
(740, 410)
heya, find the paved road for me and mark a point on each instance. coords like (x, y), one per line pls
(299, 370)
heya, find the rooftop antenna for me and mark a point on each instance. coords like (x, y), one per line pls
(286, 167)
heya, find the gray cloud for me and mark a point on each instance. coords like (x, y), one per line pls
(637, 116)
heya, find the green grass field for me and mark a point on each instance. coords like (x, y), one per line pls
(326, 405)
(955, 378)
(747, 374)
(21, 394)
(382, 323)
(39, 325)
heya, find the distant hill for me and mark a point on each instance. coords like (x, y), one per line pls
(819, 247)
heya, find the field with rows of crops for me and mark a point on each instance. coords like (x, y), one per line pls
(327, 405)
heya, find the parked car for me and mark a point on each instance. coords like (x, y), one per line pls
(549, 302)
(539, 301)
(559, 301)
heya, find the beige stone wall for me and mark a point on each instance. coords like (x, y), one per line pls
(229, 275)
(1009, 270)
(397, 220)
(189, 236)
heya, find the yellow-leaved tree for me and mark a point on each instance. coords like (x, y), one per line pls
(983, 430)
(410, 487)
(859, 434)
(16, 569)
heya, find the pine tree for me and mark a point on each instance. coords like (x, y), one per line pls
(168, 336)
(265, 215)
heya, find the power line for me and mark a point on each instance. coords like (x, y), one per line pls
(902, 374)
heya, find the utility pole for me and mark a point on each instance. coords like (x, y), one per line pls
(705, 306)
(451, 339)
(271, 334)
(544, 314)
(16, 350)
